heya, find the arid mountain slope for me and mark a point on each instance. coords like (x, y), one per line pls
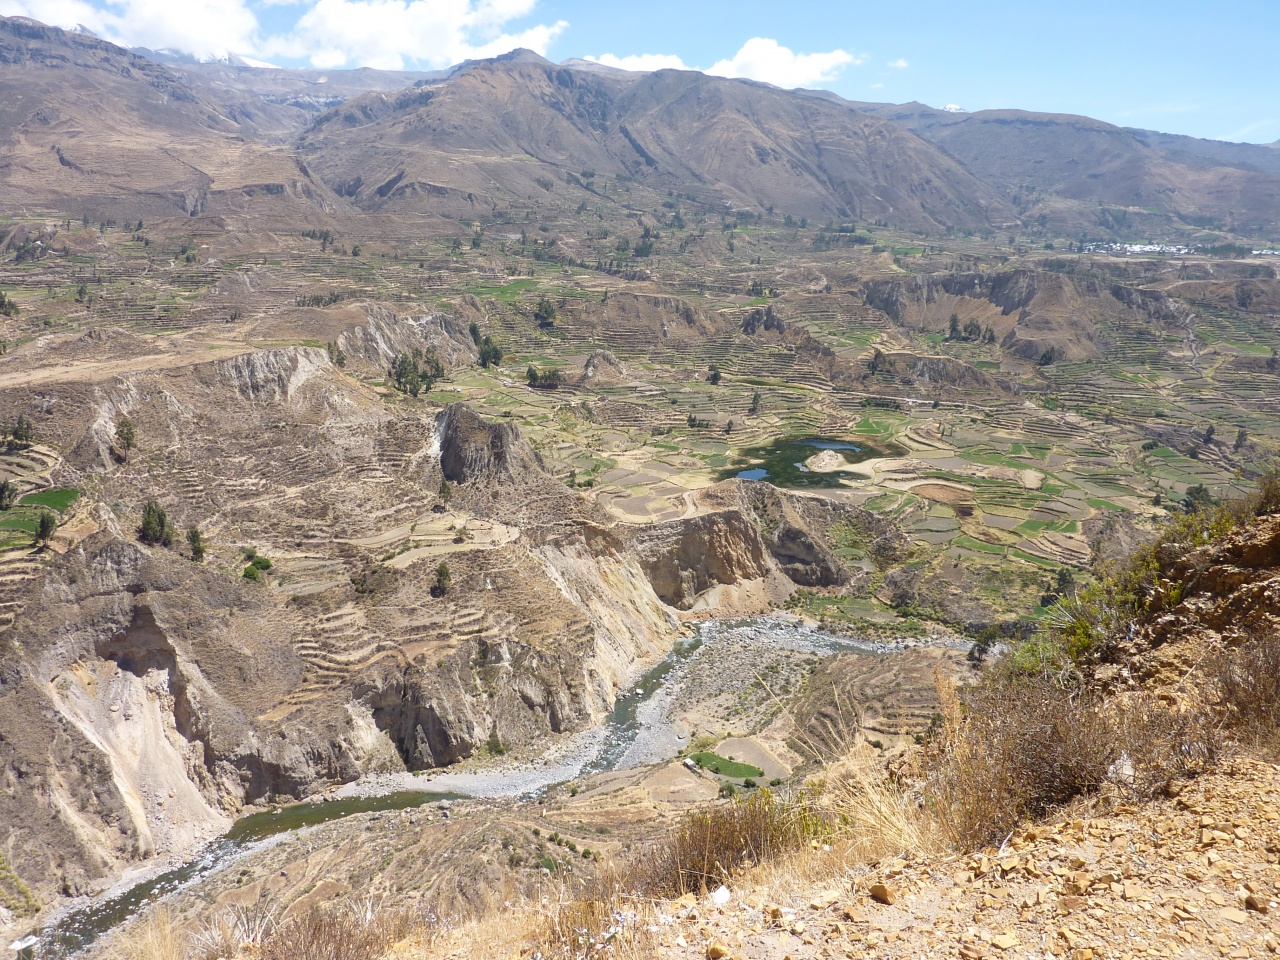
(1074, 158)
(88, 128)
(752, 145)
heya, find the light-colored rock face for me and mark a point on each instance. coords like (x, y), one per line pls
(270, 376)
(131, 719)
(386, 335)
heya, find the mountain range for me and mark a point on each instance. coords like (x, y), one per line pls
(93, 128)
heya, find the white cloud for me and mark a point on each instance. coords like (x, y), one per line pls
(644, 62)
(205, 28)
(58, 13)
(388, 34)
(767, 60)
(954, 108)
(877, 86)
(898, 64)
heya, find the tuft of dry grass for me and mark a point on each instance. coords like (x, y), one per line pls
(874, 816)
(158, 937)
(607, 921)
(1018, 746)
(355, 930)
(1013, 749)
(709, 845)
(1247, 682)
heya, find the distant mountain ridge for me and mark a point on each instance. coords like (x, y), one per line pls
(485, 132)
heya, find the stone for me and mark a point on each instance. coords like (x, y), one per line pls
(1006, 941)
(1257, 904)
(882, 893)
(1234, 915)
(717, 950)
(1079, 883)
(971, 953)
(825, 900)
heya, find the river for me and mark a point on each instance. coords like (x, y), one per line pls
(637, 731)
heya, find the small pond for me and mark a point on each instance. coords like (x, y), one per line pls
(782, 461)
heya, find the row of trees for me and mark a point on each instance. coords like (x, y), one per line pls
(157, 530)
(971, 331)
(415, 371)
(544, 380)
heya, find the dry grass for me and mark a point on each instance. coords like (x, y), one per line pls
(1012, 750)
(873, 816)
(349, 930)
(1247, 682)
(158, 937)
(1017, 747)
(709, 845)
(608, 922)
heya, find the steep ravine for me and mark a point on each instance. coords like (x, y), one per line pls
(151, 699)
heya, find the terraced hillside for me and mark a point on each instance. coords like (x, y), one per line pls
(342, 484)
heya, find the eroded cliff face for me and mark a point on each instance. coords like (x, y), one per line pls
(145, 699)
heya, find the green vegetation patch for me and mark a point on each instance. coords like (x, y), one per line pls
(58, 499)
(725, 767)
(25, 521)
(1099, 504)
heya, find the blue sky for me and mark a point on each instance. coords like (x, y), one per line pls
(1198, 68)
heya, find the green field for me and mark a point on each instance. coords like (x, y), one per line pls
(725, 767)
(57, 499)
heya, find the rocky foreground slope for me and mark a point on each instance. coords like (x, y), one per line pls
(1194, 874)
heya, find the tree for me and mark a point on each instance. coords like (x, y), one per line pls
(125, 433)
(545, 312)
(1198, 498)
(714, 374)
(490, 353)
(8, 494)
(414, 372)
(446, 491)
(1241, 439)
(443, 579)
(474, 330)
(755, 404)
(195, 540)
(156, 528)
(953, 330)
(531, 375)
(1066, 580)
(1208, 433)
(336, 356)
(45, 525)
(22, 432)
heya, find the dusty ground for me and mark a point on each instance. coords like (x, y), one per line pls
(1191, 876)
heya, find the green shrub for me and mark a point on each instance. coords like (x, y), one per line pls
(1153, 579)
